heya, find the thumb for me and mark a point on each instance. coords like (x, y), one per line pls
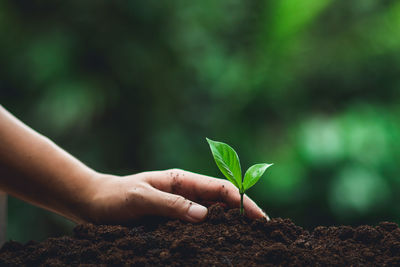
(176, 206)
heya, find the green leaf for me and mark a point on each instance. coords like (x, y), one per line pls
(227, 161)
(253, 174)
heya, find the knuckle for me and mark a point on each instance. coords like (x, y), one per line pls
(229, 193)
(136, 192)
(176, 177)
(175, 171)
(227, 186)
(231, 187)
(224, 190)
(176, 202)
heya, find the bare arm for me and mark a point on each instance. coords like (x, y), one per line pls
(36, 170)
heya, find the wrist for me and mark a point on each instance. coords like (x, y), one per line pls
(95, 198)
(80, 208)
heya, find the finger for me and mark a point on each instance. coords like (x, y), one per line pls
(176, 206)
(200, 188)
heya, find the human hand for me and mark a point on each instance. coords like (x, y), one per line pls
(171, 193)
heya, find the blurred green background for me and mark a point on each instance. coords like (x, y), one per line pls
(128, 86)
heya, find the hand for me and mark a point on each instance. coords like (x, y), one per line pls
(171, 193)
(36, 170)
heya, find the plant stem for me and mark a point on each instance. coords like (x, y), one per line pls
(241, 204)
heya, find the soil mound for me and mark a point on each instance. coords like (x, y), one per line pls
(224, 239)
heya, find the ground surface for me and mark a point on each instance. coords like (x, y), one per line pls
(224, 239)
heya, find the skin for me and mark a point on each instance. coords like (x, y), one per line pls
(36, 170)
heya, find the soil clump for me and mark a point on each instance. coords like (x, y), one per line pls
(224, 239)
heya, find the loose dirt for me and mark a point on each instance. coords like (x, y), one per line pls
(224, 239)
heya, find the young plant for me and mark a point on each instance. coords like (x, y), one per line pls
(228, 162)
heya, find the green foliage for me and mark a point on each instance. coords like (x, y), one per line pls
(253, 174)
(228, 162)
(129, 86)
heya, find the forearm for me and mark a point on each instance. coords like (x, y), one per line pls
(33, 168)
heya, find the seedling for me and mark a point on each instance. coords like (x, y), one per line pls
(228, 162)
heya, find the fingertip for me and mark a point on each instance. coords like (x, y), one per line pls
(255, 214)
(265, 215)
(196, 212)
(253, 210)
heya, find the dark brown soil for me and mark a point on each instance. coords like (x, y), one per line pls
(224, 239)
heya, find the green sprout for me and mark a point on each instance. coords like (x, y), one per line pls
(228, 162)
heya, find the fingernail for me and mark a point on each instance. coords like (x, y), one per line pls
(197, 212)
(265, 215)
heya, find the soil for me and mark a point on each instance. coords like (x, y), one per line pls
(224, 239)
